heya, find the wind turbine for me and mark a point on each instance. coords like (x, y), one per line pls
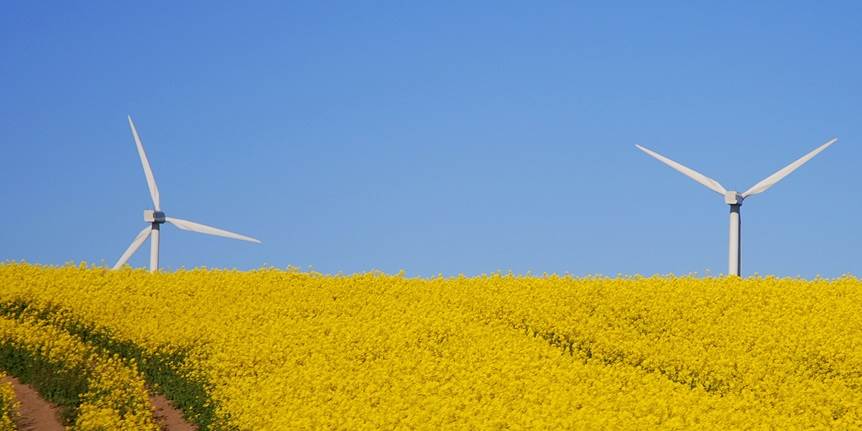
(156, 217)
(735, 199)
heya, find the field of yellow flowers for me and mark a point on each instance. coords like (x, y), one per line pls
(275, 349)
(9, 405)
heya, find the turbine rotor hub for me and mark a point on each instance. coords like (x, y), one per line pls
(151, 216)
(733, 198)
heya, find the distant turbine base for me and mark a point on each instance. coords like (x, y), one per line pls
(734, 258)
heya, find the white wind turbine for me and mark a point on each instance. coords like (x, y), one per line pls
(156, 217)
(735, 199)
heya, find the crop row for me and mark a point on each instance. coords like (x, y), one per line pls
(9, 405)
(97, 390)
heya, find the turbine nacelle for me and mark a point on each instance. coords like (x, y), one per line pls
(733, 198)
(151, 216)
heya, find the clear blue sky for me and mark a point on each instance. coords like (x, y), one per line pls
(459, 137)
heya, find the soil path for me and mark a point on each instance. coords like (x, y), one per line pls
(36, 413)
(167, 416)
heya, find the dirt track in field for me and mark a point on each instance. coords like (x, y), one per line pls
(37, 414)
(167, 416)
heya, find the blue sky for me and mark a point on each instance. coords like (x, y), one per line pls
(434, 137)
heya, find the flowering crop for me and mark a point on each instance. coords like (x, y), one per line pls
(9, 405)
(104, 392)
(272, 349)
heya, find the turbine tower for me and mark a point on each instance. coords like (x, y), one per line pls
(156, 217)
(735, 199)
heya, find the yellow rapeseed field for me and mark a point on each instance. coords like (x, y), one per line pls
(104, 392)
(273, 349)
(9, 405)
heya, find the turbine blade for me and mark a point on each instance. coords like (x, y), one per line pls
(691, 173)
(151, 181)
(136, 244)
(785, 171)
(200, 228)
